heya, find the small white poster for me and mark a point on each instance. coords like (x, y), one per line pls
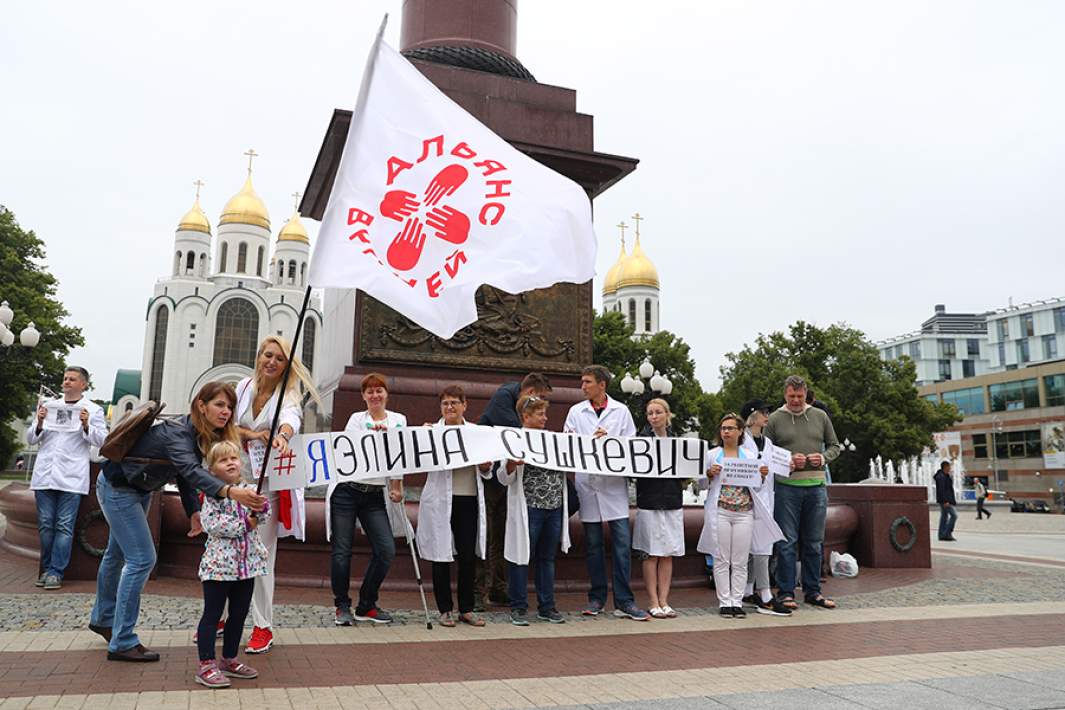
(948, 445)
(779, 461)
(256, 454)
(1054, 445)
(62, 417)
(741, 472)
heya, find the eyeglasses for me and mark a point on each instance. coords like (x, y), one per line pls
(450, 404)
(530, 401)
(730, 428)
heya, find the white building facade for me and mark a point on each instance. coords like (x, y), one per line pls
(1028, 334)
(206, 319)
(631, 287)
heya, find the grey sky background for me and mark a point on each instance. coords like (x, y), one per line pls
(826, 161)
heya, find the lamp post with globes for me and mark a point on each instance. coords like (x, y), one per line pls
(657, 384)
(28, 338)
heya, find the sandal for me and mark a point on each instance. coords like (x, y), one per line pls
(657, 612)
(469, 618)
(669, 612)
(447, 619)
(821, 601)
(788, 603)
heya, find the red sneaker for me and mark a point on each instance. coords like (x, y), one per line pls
(261, 640)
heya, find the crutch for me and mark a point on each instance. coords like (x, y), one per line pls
(409, 532)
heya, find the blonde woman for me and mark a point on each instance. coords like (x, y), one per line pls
(659, 531)
(256, 403)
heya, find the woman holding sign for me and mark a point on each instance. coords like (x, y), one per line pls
(659, 531)
(730, 513)
(451, 518)
(256, 402)
(536, 498)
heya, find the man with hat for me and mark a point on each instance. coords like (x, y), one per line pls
(755, 414)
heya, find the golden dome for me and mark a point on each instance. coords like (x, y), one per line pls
(245, 207)
(610, 284)
(195, 220)
(637, 269)
(294, 231)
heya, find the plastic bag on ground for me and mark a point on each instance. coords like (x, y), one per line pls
(843, 565)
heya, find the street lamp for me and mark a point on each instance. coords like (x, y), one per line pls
(657, 384)
(28, 338)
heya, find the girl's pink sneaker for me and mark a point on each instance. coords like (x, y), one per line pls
(210, 676)
(235, 669)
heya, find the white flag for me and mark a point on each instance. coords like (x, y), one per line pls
(429, 203)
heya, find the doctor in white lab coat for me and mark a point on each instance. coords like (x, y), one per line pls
(604, 499)
(451, 522)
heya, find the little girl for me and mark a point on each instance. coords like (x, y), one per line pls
(234, 557)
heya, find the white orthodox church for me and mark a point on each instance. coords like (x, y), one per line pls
(223, 296)
(631, 286)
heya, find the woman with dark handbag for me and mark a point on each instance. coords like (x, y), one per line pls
(173, 448)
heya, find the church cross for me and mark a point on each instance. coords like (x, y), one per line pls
(638, 219)
(296, 204)
(252, 155)
(198, 183)
(622, 226)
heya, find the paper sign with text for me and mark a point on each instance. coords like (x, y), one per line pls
(62, 417)
(779, 461)
(741, 472)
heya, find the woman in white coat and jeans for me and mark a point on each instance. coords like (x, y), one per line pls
(730, 515)
(256, 401)
(451, 522)
(537, 503)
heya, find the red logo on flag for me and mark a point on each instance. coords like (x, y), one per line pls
(413, 213)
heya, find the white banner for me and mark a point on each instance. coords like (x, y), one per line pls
(346, 457)
(429, 204)
(741, 472)
(1054, 445)
(62, 417)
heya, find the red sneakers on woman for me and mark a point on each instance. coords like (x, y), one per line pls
(261, 640)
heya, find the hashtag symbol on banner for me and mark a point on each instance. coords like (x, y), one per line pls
(284, 463)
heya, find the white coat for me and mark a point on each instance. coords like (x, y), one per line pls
(397, 517)
(603, 498)
(63, 457)
(291, 415)
(763, 517)
(516, 537)
(435, 540)
(764, 535)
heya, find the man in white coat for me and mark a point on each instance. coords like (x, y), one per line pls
(604, 499)
(65, 429)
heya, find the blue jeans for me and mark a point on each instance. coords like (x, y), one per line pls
(545, 530)
(800, 513)
(57, 512)
(621, 539)
(347, 503)
(126, 564)
(947, 517)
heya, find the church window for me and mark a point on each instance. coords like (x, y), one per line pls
(259, 265)
(203, 265)
(303, 274)
(632, 312)
(236, 332)
(222, 257)
(177, 263)
(647, 315)
(190, 262)
(309, 332)
(155, 384)
(242, 257)
(292, 271)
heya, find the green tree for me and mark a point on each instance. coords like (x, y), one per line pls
(615, 348)
(30, 291)
(873, 402)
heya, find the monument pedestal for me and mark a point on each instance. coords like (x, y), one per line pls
(893, 528)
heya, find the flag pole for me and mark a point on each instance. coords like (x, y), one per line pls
(284, 385)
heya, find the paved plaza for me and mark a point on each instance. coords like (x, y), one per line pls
(984, 628)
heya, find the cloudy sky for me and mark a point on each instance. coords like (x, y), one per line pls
(827, 161)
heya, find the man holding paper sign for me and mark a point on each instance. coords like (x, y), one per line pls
(801, 497)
